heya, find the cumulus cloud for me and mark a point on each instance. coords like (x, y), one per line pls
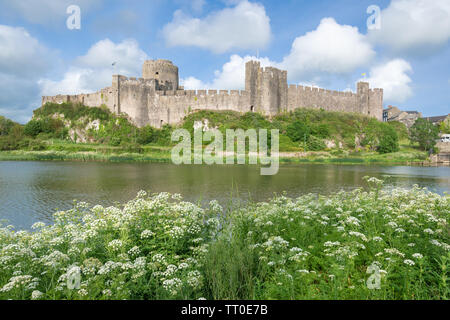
(45, 12)
(20, 53)
(232, 75)
(23, 59)
(393, 78)
(93, 71)
(331, 48)
(414, 26)
(244, 26)
(328, 51)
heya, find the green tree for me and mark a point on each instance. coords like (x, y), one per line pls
(315, 144)
(388, 140)
(146, 135)
(445, 126)
(5, 126)
(33, 128)
(425, 133)
(321, 130)
(298, 131)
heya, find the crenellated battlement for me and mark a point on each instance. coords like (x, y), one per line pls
(198, 93)
(157, 99)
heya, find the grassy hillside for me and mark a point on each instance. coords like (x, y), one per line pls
(72, 131)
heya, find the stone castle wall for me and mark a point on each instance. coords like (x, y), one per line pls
(153, 99)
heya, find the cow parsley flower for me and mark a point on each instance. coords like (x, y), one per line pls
(409, 262)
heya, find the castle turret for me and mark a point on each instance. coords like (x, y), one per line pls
(162, 70)
(363, 97)
(267, 88)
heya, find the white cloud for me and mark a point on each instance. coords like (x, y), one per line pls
(232, 75)
(331, 48)
(245, 26)
(20, 53)
(393, 78)
(192, 83)
(414, 26)
(22, 61)
(45, 12)
(94, 71)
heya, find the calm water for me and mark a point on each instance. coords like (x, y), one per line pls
(32, 191)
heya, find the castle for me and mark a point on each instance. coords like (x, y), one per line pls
(157, 98)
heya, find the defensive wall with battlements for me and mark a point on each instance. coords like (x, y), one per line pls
(157, 98)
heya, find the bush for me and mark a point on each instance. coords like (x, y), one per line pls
(315, 144)
(400, 128)
(321, 130)
(52, 127)
(146, 135)
(131, 148)
(424, 133)
(36, 145)
(8, 144)
(388, 140)
(298, 131)
(5, 126)
(164, 135)
(33, 128)
(73, 111)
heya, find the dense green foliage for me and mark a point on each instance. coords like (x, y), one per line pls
(5, 126)
(388, 141)
(425, 133)
(312, 247)
(73, 111)
(444, 127)
(53, 128)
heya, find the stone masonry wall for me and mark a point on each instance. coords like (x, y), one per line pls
(155, 102)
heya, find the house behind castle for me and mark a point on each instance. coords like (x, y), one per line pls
(408, 118)
(157, 98)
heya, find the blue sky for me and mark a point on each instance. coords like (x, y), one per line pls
(320, 43)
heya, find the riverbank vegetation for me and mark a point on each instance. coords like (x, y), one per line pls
(361, 244)
(76, 132)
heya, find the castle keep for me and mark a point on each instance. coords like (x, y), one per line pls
(157, 99)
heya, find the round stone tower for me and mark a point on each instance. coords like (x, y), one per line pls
(162, 70)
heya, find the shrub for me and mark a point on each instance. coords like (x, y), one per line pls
(146, 135)
(8, 144)
(5, 126)
(321, 130)
(424, 133)
(52, 127)
(33, 128)
(131, 148)
(73, 111)
(315, 144)
(388, 140)
(164, 135)
(298, 131)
